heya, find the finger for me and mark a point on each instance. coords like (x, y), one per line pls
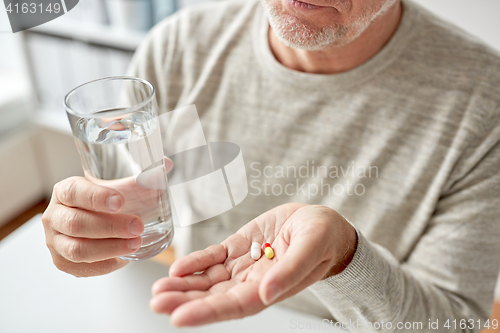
(92, 250)
(167, 302)
(87, 269)
(168, 164)
(240, 301)
(297, 263)
(79, 192)
(204, 281)
(199, 261)
(83, 223)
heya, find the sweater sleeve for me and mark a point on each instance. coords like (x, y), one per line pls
(449, 278)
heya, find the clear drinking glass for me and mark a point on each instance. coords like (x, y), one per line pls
(117, 134)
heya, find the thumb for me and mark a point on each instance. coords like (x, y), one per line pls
(299, 260)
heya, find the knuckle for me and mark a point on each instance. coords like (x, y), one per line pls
(50, 217)
(66, 190)
(55, 189)
(75, 251)
(94, 197)
(73, 223)
(46, 218)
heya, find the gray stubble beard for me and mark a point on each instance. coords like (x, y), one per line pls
(296, 34)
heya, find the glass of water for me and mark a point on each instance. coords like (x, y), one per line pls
(117, 133)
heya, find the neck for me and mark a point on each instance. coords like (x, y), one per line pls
(340, 59)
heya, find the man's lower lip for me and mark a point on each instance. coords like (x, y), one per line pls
(302, 5)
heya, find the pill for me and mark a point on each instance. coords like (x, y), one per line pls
(269, 252)
(266, 245)
(255, 253)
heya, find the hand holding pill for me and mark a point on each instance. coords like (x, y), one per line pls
(302, 245)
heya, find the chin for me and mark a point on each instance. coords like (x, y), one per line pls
(300, 34)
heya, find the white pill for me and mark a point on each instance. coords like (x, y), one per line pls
(255, 252)
(255, 245)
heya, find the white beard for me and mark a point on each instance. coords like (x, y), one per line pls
(298, 34)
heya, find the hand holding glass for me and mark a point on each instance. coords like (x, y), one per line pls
(117, 134)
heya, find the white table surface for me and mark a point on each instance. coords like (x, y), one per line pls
(35, 297)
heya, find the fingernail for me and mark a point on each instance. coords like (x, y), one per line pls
(135, 227)
(114, 202)
(272, 294)
(135, 243)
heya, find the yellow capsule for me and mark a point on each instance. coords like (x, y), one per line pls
(269, 252)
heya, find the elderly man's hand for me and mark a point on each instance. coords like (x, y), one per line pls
(310, 243)
(87, 226)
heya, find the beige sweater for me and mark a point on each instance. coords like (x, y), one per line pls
(406, 146)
